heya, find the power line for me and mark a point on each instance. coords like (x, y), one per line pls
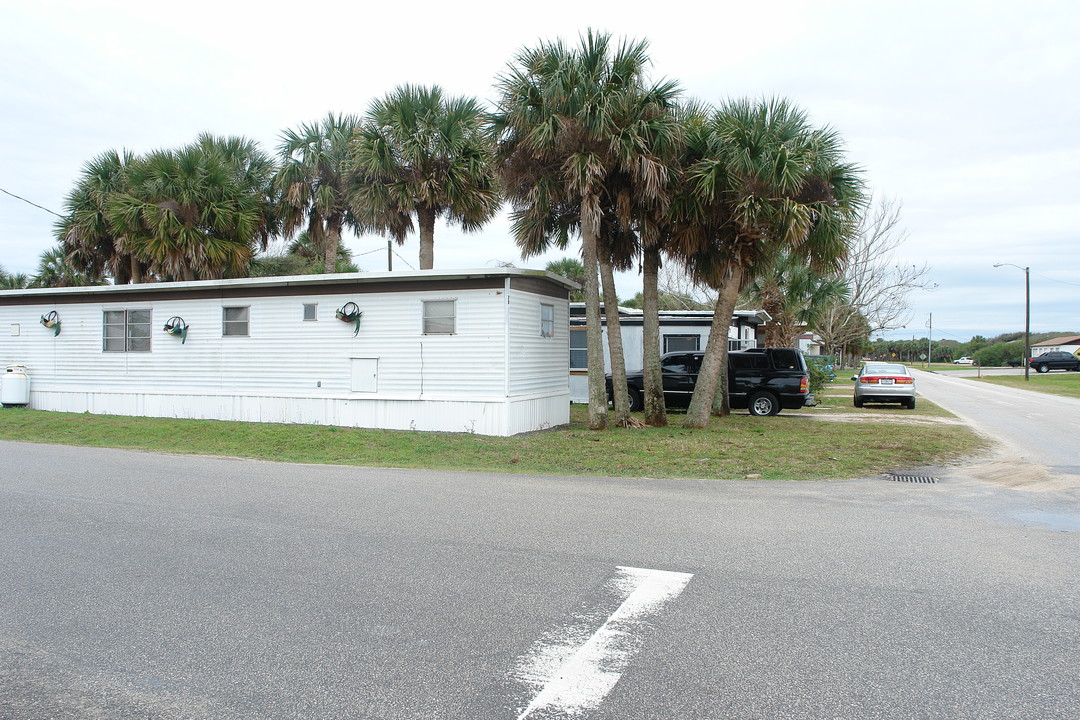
(28, 202)
(1047, 277)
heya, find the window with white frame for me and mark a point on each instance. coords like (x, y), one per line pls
(440, 317)
(579, 346)
(547, 320)
(234, 321)
(126, 331)
(311, 311)
(682, 343)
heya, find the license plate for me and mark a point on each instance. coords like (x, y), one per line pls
(886, 381)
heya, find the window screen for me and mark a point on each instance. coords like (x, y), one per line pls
(126, 331)
(579, 345)
(234, 321)
(439, 317)
(682, 343)
(547, 320)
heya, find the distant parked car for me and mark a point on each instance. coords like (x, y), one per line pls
(884, 383)
(964, 361)
(1054, 360)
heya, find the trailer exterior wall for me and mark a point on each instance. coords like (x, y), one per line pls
(490, 376)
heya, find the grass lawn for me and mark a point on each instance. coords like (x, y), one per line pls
(790, 446)
(1056, 383)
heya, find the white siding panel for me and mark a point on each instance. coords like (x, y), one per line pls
(537, 363)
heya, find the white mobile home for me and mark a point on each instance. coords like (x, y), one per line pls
(680, 330)
(482, 351)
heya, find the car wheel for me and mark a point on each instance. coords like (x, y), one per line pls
(858, 402)
(1042, 368)
(763, 404)
(910, 403)
(637, 402)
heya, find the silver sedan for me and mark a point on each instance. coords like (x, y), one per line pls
(884, 383)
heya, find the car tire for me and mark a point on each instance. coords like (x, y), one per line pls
(910, 403)
(637, 402)
(763, 404)
(1042, 368)
(858, 403)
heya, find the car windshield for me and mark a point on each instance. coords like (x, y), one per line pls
(884, 369)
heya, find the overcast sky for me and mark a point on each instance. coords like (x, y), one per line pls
(965, 112)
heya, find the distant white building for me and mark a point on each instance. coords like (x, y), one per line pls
(680, 330)
(480, 351)
(1066, 343)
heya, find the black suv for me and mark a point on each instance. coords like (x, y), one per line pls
(763, 380)
(1055, 360)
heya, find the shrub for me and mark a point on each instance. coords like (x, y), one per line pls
(1000, 354)
(821, 371)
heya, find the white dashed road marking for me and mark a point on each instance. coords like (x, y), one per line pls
(573, 670)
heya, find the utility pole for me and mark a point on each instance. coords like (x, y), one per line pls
(1027, 323)
(929, 340)
(389, 257)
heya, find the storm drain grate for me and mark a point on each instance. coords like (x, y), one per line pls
(913, 478)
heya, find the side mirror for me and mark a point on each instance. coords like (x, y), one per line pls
(855, 378)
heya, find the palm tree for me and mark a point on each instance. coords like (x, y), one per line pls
(768, 183)
(12, 281)
(55, 269)
(199, 211)
(420, 153)
(92, 243)
(575, 132)
(795, 296)
(571, 269)
(316, 169)
(300, 257)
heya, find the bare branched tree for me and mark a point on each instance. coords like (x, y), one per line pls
(880, 285)
(678, 290)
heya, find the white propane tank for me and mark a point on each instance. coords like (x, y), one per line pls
(15, 388)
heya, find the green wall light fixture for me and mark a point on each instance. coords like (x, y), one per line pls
(176, 326)
(52, 321)
(350, 313)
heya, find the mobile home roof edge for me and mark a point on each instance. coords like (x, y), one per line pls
(295, 281)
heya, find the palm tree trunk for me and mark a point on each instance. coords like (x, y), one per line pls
(729, 295)
(598, 412)
(655, 413)
(714, 363)
(426, 219)
(615, 346)
(136, 270)
(331, 242)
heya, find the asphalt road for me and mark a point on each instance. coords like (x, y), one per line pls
(1038, 428)
(140, 585)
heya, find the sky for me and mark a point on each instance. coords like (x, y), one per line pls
(965, 113)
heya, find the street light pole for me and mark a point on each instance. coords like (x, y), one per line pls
(1027, 316)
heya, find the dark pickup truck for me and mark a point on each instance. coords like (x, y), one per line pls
(763, 380)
